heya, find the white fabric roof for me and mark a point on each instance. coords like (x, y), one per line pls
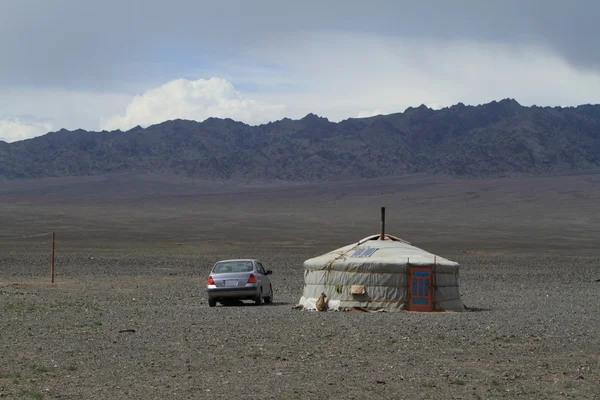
(392, 250)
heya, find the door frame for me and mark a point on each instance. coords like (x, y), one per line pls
(421, 280)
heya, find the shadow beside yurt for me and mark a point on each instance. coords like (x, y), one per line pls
(382, 273)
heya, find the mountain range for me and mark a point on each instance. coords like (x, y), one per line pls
(501, 138)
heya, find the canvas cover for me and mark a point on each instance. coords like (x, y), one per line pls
(372, 274)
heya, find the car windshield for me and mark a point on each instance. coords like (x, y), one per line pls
(225, 267)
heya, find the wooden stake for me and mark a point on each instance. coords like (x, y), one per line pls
(52, 264)
(382, 237)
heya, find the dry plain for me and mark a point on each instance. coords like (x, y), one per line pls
(127, 317)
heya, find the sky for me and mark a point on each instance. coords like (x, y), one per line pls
(116, 64)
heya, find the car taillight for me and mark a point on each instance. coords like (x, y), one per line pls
(211, 281)
(252, 278)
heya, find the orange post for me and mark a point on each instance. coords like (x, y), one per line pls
(52, 264)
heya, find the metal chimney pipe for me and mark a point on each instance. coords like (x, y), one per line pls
(382, 237)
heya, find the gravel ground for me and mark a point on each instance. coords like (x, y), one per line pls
(134, 324)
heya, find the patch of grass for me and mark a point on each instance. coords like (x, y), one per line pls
(72, 368)
(42, 369)
(62, 306)
(505, 339)
(33, 395)
(569, 385)
(95, 324)
(8, 375)
(293, 396)
(429, 384)
(495, 383)
(22, 307)
(458, 382)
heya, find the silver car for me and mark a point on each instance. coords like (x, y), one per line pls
(243, 279)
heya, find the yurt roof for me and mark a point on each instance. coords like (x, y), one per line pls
(390, 250)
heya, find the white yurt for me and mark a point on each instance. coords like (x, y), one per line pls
(382, 273)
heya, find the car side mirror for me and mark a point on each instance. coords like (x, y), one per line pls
(269, 272)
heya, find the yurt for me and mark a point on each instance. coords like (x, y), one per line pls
(382, 273)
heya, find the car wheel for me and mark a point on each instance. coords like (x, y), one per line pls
(212, 303)
(269, 298)
(259, 300)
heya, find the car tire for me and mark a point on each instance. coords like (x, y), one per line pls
(212, 303)
(269, 298)
(259, 300)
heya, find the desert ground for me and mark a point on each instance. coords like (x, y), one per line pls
(127, 316)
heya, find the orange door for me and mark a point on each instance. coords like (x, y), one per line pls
(420, 288)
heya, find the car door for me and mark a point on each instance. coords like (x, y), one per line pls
(267, 278)
(264, 279)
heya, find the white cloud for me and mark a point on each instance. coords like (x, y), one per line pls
(15, 129)
(339, 75)
(366, 114)
(434, 106)
(195, 100)
(22, 108)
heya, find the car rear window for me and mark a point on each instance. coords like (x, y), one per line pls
(232, 266)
